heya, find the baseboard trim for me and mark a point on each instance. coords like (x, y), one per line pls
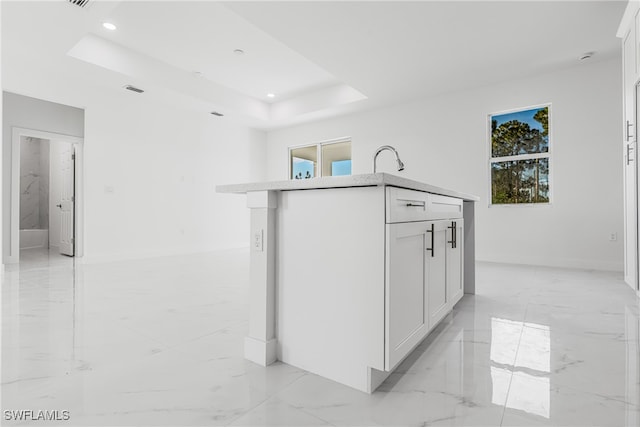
(580, 264)
(132, 256)
(261, 352)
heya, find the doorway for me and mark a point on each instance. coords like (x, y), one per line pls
(46, 195)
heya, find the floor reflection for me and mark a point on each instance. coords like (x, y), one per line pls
(523, 348)
(40, 316)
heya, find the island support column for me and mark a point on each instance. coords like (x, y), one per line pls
(260, 345)
(468, 209)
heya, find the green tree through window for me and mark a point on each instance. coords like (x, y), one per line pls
(520, 156)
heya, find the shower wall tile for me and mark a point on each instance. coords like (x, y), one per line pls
(44, 184)
(29, 183)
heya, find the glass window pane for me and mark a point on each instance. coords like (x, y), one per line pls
(304, 162)
(522, 181)
(341, 167)
(520, 132)
(336, 159)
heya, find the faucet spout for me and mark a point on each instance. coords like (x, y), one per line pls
(390, 148)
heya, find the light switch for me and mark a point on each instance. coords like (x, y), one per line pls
(257, 241)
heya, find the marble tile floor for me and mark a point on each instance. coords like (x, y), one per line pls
(160, 342)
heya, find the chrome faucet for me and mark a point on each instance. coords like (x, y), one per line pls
(390, 148)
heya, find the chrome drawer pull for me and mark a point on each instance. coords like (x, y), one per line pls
(416, 205)
(454, 235)
(432, 248)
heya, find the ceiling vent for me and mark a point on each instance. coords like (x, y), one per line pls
(79, 3)
(134, 89)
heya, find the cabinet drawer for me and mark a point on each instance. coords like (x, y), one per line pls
(406, 205)
(410, 205)
(443, 207)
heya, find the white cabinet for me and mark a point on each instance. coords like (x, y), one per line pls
(436, 280)
(444, 268)
(629, 32)
(629, 80)
(424, 267)
(341, 285)
(405, 298)
(455, 260)
(630, 67)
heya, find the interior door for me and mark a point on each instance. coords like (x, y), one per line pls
(67, 200)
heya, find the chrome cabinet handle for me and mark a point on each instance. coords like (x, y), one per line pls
(629, 124)
(432, 248)
(416, 205)
(629, 149)
(454, 235)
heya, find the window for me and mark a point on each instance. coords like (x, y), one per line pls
(520, 156)
(303, 162)
(329, 158)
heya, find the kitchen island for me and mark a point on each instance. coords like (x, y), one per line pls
(349, 274)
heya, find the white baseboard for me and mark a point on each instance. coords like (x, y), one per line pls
(261, 352)
(89, 258)
(580, 264)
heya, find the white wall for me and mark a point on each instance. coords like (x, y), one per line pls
(30, 113)
(443, 141)
(150, 171)
(151, 176)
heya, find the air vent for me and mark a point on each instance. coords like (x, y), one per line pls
(79, 3)
(133, 89)
(215, 113)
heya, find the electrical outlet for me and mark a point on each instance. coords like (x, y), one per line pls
(613, 237)
(257, 241)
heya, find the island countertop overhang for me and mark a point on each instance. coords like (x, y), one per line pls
(364, 180)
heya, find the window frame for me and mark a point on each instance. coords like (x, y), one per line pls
(318, 146)
(547, 155)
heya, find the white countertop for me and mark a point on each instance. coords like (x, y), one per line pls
(365, 180)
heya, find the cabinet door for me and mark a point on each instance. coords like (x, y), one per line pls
(405, 314)
(630, 160)
(629, 83)
(455, 261)
(436, 284)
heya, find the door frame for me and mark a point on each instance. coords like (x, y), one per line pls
(14, 223)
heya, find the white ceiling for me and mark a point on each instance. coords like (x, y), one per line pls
(202, 36)
(320, 58)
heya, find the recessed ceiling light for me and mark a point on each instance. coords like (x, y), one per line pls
(109, 26)
(238, 52)
(271, 95)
